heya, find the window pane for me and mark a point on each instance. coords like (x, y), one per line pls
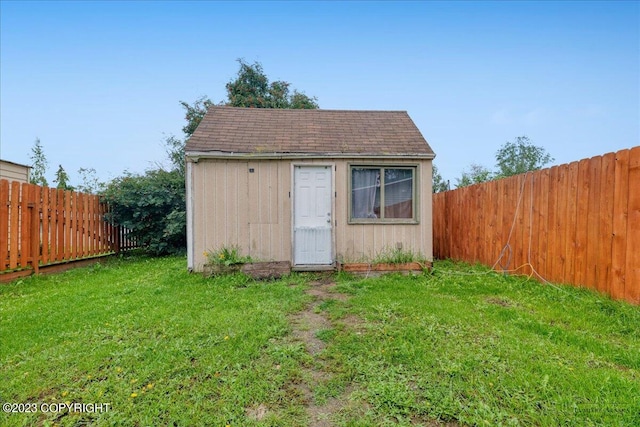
(365, 193)
(398, 193)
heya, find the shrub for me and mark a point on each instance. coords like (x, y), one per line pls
(152, 206)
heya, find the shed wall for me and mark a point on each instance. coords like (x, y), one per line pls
(14, 172)
(233, 206)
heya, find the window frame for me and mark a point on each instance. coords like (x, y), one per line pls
(414, 167)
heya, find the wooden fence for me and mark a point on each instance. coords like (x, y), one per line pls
(41, 226)
(577, 223)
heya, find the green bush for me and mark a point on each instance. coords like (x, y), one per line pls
(152, 206)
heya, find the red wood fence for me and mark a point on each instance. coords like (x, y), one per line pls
(577, 223)
(42, 226)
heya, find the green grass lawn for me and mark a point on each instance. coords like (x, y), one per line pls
(164, 347)
(161, 346)
(484, 349)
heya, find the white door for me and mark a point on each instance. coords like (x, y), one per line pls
(312, 215)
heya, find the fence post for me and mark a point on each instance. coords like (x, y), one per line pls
(118, 231)
(35, 236)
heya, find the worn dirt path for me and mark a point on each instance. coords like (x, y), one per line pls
(306, 324)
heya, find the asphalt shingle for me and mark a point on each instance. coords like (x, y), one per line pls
(266, 130)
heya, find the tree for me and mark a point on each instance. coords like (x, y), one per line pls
(175, 152)
(512, 158)
(474, 175)
(300, 101)
(439, 183)
(39, 164)
(89, 181)
(251, 88)
(194, 113)
(520, 156)
(62, 179)
(152, 205)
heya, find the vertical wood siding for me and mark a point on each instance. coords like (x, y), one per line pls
(253, 211)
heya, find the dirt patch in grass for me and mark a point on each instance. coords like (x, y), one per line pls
(305, 326)
(354, 323)
(499, 301)
(256, 413)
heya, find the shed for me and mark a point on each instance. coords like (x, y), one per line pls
(312, 187)
(14, 171)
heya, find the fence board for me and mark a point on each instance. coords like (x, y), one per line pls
(505, 250)
(53, 224)
(45, 225)
(78, 199)
(35, 198)
(605, 222)
(85, 226)
(502, 227)
(632, 288)
(532, 236)
(25, 230)
(551, 218)
(4, 225)
(559, 228)
(593, 222)
(620, 207)
(74, 216)
(475, 226)
(527, 237)
(62, 239)
(14, 220)
(518, 240)
(465, 201)
(456, 223)
(582, 222)
(490, 228)
(92, 223)
(103, 228)
(95, 227)
(522, 238)
(468, 203)
(540, 264)
(570, 222)
(577, 223)
(90, 231)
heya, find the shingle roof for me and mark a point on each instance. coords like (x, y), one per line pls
(322, 132)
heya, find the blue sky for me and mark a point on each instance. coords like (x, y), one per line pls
(100, 82)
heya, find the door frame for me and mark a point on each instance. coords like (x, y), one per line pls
(332, 170)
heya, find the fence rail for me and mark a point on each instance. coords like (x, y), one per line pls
(42, 226)
(577, 223)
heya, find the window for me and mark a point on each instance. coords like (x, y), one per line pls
(382, 194)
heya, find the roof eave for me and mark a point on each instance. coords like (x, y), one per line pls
(194, 156)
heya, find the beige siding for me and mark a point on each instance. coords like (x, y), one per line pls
(13, 171)
(233, 206)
